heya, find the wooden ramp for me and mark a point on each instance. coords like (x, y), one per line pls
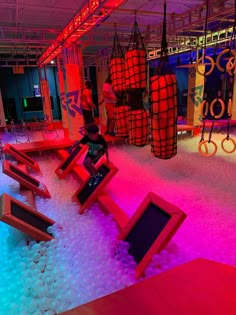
(44, 145)
(200, 287)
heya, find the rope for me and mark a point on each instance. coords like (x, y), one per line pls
(228, 127)
(206, 24)
(233, 35)
(203, 131)
(211, 130)
(135, 41)
(228, 138)
(164, 44)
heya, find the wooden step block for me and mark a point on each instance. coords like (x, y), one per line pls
(108, 205)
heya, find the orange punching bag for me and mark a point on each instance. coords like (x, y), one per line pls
(164, 116)
(138, 127)
(117, 71)
(121, 117)
(135, 69)
(136, 82)
(135, 61)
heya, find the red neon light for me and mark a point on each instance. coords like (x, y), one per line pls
(93, 12)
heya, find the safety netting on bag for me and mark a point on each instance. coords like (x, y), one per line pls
(121, 117)
(136, 82)
(135, 61)
(164, 116)
(117, 66)
(164, 105)
(138, 127)
(117, 70)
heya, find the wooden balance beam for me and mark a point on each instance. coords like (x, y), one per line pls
(25, 218)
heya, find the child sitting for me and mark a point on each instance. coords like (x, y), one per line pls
(97, 146)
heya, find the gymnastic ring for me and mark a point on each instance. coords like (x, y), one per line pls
(234, 145)
(212, 65)
(230, 66)
(233, 52)
(206, 109)
(222, 108)
(225, 51)
(207, 154)
(229, 109)
(205, 146)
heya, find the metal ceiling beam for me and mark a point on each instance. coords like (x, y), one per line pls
(20, 45)
(26, 41)
(120, 25)
(29, 29)
(17, 11)
(37, 7)
(139, 12)
(184, 23)
(90, 14)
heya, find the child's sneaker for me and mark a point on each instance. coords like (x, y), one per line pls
(92, 180)
(97, 179)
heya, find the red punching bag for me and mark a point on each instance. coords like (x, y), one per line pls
(135, 69)
(117, 71)
(121, 117)
(138, 127)
(164, 116)
(135, 61)
(117, 67)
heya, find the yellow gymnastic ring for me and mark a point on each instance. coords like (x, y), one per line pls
(231, 63)
(233, 52)
(222, 108)
(225, 51)
(200, 60)
(228, 139)
(230, 66)
(205, 145)
(202, 107)
(229, 110)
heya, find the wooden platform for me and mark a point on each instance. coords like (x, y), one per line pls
(108, 205)
(78, 170)
(200, 287)
(44, 145)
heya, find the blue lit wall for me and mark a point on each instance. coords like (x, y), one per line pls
(15, 87)
(214, 83)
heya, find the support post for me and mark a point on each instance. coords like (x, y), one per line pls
(195, 95)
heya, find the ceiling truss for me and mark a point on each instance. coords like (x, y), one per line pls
(23, 42)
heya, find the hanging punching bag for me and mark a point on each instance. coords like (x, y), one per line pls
(121, 117)
(138, 127)
(164, 116)
(117, 71)
(135, 69)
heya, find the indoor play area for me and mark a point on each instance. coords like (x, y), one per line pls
(117, 157)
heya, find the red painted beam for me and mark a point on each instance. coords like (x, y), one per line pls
(91, 14)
